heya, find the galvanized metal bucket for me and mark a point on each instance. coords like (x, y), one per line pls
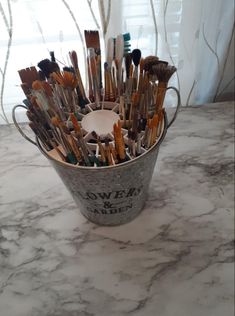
(111, 195)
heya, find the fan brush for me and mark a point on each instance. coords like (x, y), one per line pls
(163, 73)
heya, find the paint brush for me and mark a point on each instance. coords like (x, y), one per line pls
(27, 77)
(48, 67)
(80, 139)
(93, 41)
(70, 156)
(119, 51)
(106, 83)
(56, 101)
(114, 153)
(108, 152)
(163, 73)
(119, 141)
(74, 61)
(94, 77)
(101, 148)
(136, 55)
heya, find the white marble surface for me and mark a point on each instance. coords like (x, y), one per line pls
(174, 259)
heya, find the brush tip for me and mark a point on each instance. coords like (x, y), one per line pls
(126, 37)
(47, 67)
(37, 85)
(68, 69)
(127, 45)
(106, 141)
(52, 54)
(94, 134)
(149, 62)
(136, 55)
(55, 121)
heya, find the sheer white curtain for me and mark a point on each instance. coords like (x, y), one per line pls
(196, 36)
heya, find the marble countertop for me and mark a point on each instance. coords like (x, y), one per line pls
(174, 259)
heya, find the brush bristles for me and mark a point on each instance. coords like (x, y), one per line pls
(149, 62)
(163, 72)
(28, 75)
(94, 135)
(136, 55)
(127, 45)
(37, 85)
(47, 67)
(66, 79)
(92, 39)
(128, 61)
(52, 54)
(55, 121)
(74, 59)
(57, 102)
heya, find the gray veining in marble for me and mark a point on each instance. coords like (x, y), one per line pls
(174, 259)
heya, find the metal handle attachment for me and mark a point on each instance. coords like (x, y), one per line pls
(17, 125)
(177, 107)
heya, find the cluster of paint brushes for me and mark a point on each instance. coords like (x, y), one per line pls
(57, 102)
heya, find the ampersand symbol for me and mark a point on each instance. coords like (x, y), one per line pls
(107, 205)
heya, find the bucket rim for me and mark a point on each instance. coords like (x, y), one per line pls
(123, 164)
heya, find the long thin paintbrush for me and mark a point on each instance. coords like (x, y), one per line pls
(106, 83)
(74, 61)
(80, 139)
(119, 51)
(94, 76)
(141, 76)
(71, 157)
(101, 148)
(119, 141)
(92, 39)
(109, 60)
(107, 150)
(136, 55)
(69, 82)
(114, 153)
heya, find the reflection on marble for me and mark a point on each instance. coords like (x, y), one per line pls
(174, 259)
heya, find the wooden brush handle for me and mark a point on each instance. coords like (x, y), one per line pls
(80, 84)
(102, 151)
(94, 79)
(106, 86)
(161, 92)
(135, 78)
(90, 90)
(114, 153)
(98, 64)
(112, 97)
(108, 154)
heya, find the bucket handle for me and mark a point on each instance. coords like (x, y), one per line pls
(177, 107)
(17, 125)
